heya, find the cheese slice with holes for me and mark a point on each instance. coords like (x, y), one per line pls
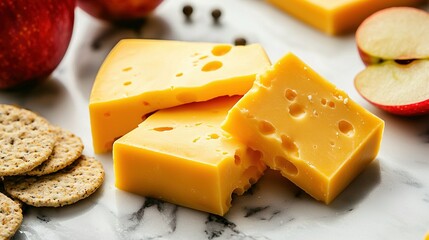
(337, 16)
(141, 76)
(306, 128)
(181, 155)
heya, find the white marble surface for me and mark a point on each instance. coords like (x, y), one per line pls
(389, 200)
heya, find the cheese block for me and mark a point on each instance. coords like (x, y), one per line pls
(337, 16)
(181, 155)
(306, 128)
(140, 76)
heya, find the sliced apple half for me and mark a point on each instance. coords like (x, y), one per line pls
(401, 89)
(398, 33)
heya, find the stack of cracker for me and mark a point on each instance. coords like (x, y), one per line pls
(40, 165)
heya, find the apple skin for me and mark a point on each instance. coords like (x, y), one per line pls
(118, 10)
(414, 109)
(34, 38)
(400, 89)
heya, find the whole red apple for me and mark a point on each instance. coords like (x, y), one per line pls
(118, 10)
(34, 36)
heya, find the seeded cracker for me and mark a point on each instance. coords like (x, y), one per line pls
(67, 149)
(26, 140)
(64, 187)
(10, 217)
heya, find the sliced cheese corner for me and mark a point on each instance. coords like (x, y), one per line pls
(306, 128)
(181, 155)
(141, 76)
(337, 16)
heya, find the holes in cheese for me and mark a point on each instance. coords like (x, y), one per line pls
(237, 159)
(290, 94)
(322, 152)
(214, 136)
(160, 71)
(285, 166)
(296, 110)
(290, 146)
(266, 127)
(163, 129)
(221, 50)
(181, 155)
(327, 103)
(127, 83)
(346, 128)
(211, 66)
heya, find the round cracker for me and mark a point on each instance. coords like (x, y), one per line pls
(67, 186)
(26, 140)
(67, 149)
(10, 217)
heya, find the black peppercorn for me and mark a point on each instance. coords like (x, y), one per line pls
(240, 41)
(216, 14)
(187, 11)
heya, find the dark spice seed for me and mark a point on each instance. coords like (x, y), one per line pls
(187, 11)
(240, 41)
(216, 14)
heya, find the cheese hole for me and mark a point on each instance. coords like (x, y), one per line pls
(127, 83)
(323, 101)
(145, 103)
(331, 104)
(179, 74)
(290, 146)
(163, 129)
(203, 57)
(346, 128)
(145, 116)
(213, 136)
(290, 94)
(254, 155)
(107, 114)
(186, 97)
(211, 66)
(250, 175)
(296, 110)
(238, 191)
(237, 159)
(221, 50)
(127, 69)
(285, 166)
(252, 181)
(266, 127)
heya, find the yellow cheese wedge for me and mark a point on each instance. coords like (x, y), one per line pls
(141, 76)
(181, 155)
(307, 128)
(337, 16)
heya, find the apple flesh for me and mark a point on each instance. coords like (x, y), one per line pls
(398, 33)
(34, 38)
(118, 10)
(401, 89)
(394, 45)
